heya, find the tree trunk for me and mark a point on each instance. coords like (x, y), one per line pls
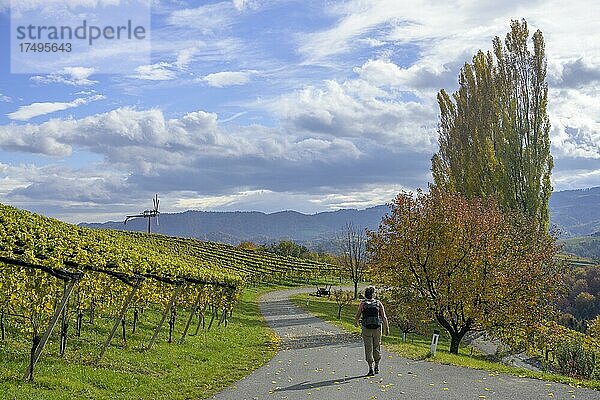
(454, 342)
(355, 290)
(456, 334)
(339, 312)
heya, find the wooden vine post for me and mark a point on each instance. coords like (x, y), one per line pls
(2, 328)
(135, 320)
(189, 321)
(135, 282)
(79, 322)
(178, 286)
(64, 327)
(70, 279)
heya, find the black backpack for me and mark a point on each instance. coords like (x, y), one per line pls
(371, 319)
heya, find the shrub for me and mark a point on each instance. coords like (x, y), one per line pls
(575, 360)
(342, 298)
(593, 328)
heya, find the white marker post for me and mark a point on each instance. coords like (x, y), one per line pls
(434, 342)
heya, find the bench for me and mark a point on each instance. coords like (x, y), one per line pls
(323, 291)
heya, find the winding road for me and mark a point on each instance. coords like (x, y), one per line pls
(317, 360)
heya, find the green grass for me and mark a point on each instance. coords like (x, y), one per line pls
(199, 368)
(417, 346)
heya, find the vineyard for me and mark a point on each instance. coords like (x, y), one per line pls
(52, 273)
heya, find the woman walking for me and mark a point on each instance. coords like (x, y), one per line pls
(373, 318)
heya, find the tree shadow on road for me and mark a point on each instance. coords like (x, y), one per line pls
(314, 341)
(296, 321)
(307, 385)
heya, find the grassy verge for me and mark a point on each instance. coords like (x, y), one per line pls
(202, 366)
(417, 346)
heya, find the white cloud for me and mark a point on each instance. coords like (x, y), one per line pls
(364, 196)
(214, 202)
(140, 140)
(165, 155)
(234, 117)
(27, 112)
(382, 72)
(578, 73)
(68, 193)
(161, 71)
(27, 138)
(442, 36)
(433, 26)
(368, 195)
(63, 184)
(575, 118)
(246, 4)
(185, 57)
(166, 71)
(372, 42)
(207, 18)
(14, 177)
(337, 139)
(228, 78)
(75, 76)
(576, 178)
(356, 20)
(357, 108)
(5, 99)
(85, 92)
(417, 77)
(81, 194)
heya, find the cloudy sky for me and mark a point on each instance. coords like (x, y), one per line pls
(277, 104)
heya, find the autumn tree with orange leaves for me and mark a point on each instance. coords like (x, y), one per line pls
(472, 266)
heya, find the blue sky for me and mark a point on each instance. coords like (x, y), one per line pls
(273, 105)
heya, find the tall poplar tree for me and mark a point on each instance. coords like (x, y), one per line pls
(494, 131)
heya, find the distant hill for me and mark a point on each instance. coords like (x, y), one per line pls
(574, 212)
(583, 246)
(315, 231)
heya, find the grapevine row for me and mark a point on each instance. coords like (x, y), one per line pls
(47, 266)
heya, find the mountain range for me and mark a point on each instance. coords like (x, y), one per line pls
(576, 212)
(573, 212)
(315, 231)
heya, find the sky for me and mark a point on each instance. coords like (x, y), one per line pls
(273, 105)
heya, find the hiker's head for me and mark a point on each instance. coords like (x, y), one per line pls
(369, 292)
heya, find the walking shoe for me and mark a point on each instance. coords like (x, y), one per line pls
(370, 373)
(377, 369)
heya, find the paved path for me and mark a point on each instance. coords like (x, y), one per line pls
(320, 361)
